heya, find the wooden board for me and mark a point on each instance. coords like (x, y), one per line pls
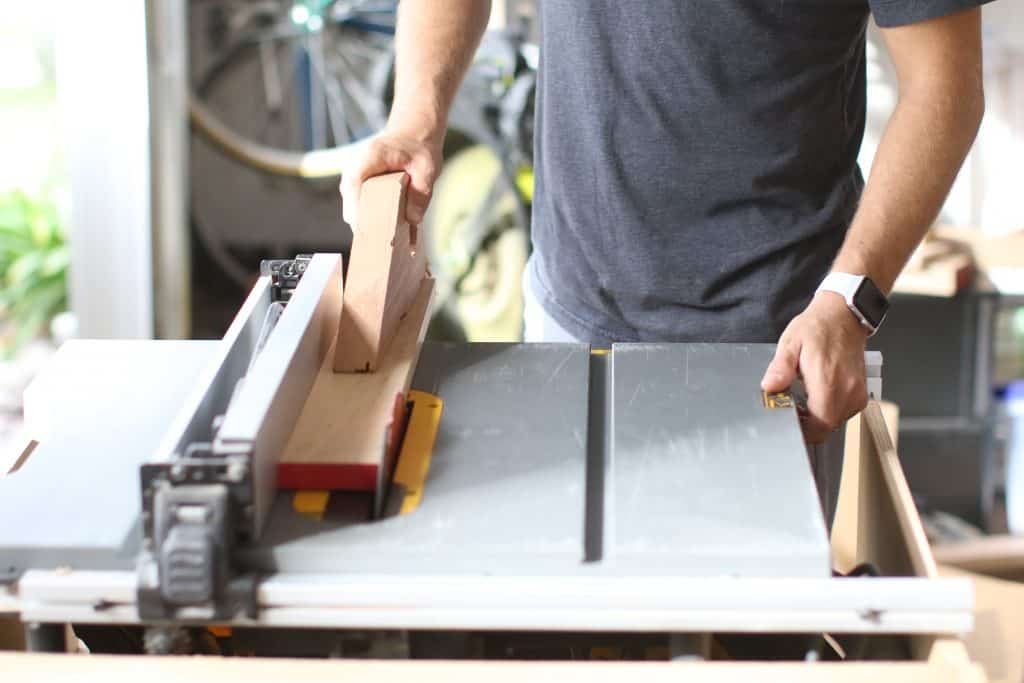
(998, 631)
(989, 251)
(118, 669)
(914, 542)
(899, 549)
(340, 441)
(1000, 555)
(876, 519)
(12, 632)
(939, 267)
(384, 275)
(847, 516)
(887, 532)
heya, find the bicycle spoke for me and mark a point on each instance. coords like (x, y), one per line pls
(333, 98)
(271, 76)
(259, 90)
(317, 109)
(368, 103)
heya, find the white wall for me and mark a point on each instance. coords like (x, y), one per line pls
(103, 98)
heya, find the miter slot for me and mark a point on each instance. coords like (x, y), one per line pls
(598, 453)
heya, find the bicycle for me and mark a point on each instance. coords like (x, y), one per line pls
(281, 125)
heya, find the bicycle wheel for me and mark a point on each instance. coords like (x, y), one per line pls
(479, 289)
(342, 59)
(279, 86)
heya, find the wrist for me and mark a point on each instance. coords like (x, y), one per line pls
(858, 263)
(834, 302)
(861, 297)
(424, 128)
(833, 307)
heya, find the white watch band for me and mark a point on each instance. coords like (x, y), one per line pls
(846, 285)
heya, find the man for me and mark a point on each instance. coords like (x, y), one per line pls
(696, 167)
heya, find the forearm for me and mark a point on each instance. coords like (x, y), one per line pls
(434, 45)
(919, 156)
(924, 144)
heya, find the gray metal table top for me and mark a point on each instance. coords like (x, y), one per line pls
(505, 489)
(698, 478)
(76, 500)
(702, 479)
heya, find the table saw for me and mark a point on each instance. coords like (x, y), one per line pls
(645, 488)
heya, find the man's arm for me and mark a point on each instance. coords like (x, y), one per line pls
(941, 102)
(434, 44)
(938, 64)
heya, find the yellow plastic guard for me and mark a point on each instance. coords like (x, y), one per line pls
(311, 503)
(417, 448)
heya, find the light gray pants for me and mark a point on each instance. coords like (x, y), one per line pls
(826, 459)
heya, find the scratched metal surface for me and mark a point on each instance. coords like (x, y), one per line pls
(505, 491)
(76, 501)
(701, 478)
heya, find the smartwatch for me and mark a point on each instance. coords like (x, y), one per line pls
(864, 299)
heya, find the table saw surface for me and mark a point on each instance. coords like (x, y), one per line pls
(656, 459)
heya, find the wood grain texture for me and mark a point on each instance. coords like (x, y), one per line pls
(843, 537)
(889, 531)
(914, 539)
(126, 669)
(877, 522)
(384, 275)
(847, 517)
(340, 440)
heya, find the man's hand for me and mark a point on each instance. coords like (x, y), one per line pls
(825, 346)
(434, 45)
(389, 151)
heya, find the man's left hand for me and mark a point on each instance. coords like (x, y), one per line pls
(825, 346)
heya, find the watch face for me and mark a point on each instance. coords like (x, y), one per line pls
(870, 301)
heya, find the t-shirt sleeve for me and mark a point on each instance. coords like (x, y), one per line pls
(889, 13)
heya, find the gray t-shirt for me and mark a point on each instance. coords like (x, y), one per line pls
(696, 160)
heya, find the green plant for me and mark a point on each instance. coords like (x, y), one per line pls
(34, 261)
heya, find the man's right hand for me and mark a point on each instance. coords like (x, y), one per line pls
(434, 45)
(387, 152)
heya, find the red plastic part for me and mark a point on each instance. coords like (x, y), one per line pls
(348, 477)
(327, 477)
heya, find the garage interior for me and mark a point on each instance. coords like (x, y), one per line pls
(239, 438)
